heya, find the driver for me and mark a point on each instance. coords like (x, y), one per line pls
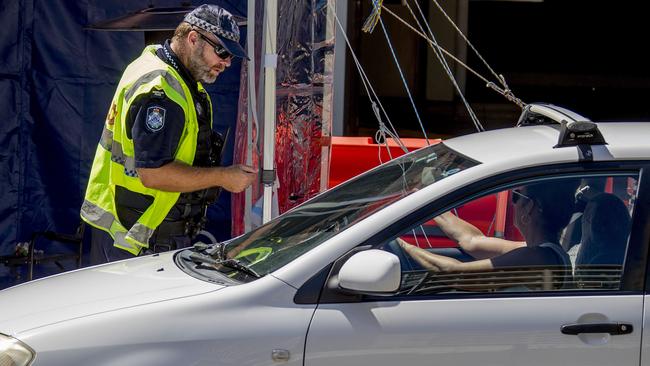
(541, 211)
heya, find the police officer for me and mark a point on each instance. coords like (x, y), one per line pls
(156, 166)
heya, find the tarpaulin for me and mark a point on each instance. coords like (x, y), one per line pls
(305, 47)
(12, 97)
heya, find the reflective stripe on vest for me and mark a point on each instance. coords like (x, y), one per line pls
(96, 214)
(148, 77)
(104, 220)
(114, 162)
(117, 155)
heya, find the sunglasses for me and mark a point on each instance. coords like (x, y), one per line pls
(516, 195)
(220, 50)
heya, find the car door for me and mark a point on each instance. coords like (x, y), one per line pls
(589, 314)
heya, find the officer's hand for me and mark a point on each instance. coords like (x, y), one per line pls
(238, 177)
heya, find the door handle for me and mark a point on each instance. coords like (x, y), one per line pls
(611, 328)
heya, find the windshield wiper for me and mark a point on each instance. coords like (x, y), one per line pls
(230, 263)
(217, 251)
(235, 264)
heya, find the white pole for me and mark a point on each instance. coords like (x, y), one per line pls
(339, 66)
(252, 110)
(328, 98)
(270, 65)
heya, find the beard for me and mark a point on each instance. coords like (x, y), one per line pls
(199, 69)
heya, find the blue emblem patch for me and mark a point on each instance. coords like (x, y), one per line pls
(155, 118)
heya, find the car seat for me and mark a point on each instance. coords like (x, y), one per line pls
(605, 230)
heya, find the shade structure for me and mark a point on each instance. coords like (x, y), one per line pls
(150, 19)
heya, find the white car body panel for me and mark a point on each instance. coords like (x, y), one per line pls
(95, 290)
(486, 332)
(625, 141)
(201, 329)
(513, 147)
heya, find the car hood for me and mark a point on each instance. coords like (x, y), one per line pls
(94, 290)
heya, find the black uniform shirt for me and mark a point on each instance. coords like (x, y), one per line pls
(156, 123)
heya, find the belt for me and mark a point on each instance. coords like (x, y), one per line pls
(168, 229)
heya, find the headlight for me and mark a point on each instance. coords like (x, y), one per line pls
(14, 352)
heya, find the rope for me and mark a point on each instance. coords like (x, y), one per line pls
(376, 105)
(380, 136)
(447, 69)
(369, 26)
(506, 92)
(432, 44)
(401, 74)
(374, 17)
(421, 34)
(465, 38)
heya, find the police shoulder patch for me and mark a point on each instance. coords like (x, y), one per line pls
(155, 119)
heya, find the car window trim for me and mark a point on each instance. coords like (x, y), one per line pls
(640, 235)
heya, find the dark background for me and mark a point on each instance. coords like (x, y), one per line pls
(588, 56)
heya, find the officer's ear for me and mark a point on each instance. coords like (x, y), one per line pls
(193, 37)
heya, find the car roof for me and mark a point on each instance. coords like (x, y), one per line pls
(534, 145)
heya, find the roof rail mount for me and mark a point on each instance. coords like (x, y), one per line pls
(580, 133)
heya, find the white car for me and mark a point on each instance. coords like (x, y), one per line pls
(335, 281)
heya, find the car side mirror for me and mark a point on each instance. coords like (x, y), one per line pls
(371, 272)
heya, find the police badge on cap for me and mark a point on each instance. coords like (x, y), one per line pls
(155, 118)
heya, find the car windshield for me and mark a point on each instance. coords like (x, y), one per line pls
(288, 236)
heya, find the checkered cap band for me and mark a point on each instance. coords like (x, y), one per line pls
(224, 17)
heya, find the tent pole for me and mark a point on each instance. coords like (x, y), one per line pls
(250, 49)
(270, 65)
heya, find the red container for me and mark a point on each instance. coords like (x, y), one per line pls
(352, 156)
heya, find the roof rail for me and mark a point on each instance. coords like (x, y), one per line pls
(575, 130)
(545, 114)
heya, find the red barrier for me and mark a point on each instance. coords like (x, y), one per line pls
(352, 156)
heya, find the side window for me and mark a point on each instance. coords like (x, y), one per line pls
(553, 234)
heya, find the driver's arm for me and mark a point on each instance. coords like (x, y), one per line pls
(440, 263)
(472, 240)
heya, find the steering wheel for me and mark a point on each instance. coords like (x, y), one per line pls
(260, 253)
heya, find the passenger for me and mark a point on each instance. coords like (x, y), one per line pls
(572, 235)
(541, 211)
(605, 227)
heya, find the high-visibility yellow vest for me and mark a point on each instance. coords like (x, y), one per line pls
(114, 162)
